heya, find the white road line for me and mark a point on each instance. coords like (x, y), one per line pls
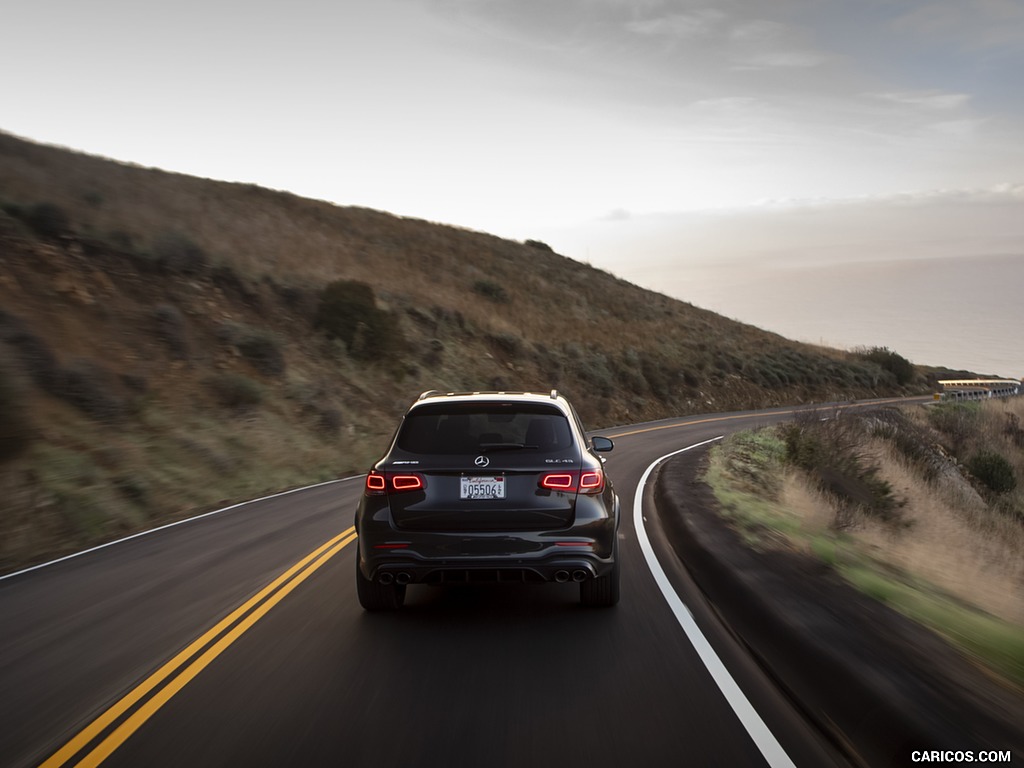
(766, 742)
(171, 525)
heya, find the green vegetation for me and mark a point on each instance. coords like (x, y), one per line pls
(235, 390)
(348, 311)
(983, 636)
(901, 369)
(261, 348)
(15, 427)
(179, 254)
(993, 471)
(937, 553)
(491, 290)
(831, 454)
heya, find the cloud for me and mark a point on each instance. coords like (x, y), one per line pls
(701, 23)
(979, 24)
(997, 194)
(780, 60)
(765, 44)
(616, 214)
(933, 100)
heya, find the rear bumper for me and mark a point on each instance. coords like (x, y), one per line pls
(583, 550)
(484, 570)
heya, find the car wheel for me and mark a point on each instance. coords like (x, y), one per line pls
(602, 592)
(374, 596)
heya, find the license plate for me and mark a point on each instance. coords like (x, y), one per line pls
(482, 488)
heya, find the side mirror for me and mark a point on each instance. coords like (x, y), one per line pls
(601, 444)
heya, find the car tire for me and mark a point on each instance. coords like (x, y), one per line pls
(376, 597)
(602, 592)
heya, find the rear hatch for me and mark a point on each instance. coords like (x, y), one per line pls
(482, 467)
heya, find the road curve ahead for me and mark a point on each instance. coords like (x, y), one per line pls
(237, 639)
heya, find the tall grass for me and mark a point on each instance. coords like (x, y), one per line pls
(954, 561)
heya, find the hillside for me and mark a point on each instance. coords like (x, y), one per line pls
(167, 342)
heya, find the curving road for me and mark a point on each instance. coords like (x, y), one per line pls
(237, 639)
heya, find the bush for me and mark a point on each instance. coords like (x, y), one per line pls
(169, 326)
(178, 254)
(89, 386)
(15, 427)
(47, 220)
(1013, 430)
(491, 290)
(35, 356)
(348, 311)
(329, 421)
(235, 390)
(993, 471)
(540, 246)
(830, 453)
(957, 421)
(901, 368)
(263, 350)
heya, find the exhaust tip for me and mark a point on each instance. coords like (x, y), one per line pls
(386, 578)
(579, 575)
(561, 576)
(403, 578)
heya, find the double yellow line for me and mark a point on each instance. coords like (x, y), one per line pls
(180, 670)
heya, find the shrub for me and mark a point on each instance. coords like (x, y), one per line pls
(37, 360)
(1013, 430)
(47, 220)
(491, 290)
(506, 343)
(540, 246)
(993, 471)
(15, 427)
(263, 350)
(343, 305)
(169, 327)
(328, 421)
(235, 390)
(348, 311)
(90, 387)
(958, 421)
(830, 453)
(901, 368)
(178, 254)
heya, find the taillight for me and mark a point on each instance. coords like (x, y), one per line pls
(381, 483)
(589, 481)
(376, 484)
(592, 481)
(559, 481)
(406, 482)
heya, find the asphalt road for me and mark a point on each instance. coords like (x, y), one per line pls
(203, 645)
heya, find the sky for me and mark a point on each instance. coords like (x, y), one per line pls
(701, 149)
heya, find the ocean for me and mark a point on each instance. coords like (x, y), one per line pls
(958, 312)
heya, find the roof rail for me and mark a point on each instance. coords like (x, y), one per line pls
(554, 394)
(429, 393)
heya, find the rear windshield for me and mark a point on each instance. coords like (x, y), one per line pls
(451, 428)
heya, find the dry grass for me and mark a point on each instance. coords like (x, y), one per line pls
(968, 552)
(953, 559)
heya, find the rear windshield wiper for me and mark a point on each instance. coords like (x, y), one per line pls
(485, 447)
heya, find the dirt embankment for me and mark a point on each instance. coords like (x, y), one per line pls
(880, 685)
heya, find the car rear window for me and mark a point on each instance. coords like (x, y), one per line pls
(451, 428)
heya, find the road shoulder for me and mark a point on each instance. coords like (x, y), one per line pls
(877, 683)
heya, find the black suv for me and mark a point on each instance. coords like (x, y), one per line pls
(488, 487)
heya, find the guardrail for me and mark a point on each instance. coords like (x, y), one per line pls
(977, 389)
